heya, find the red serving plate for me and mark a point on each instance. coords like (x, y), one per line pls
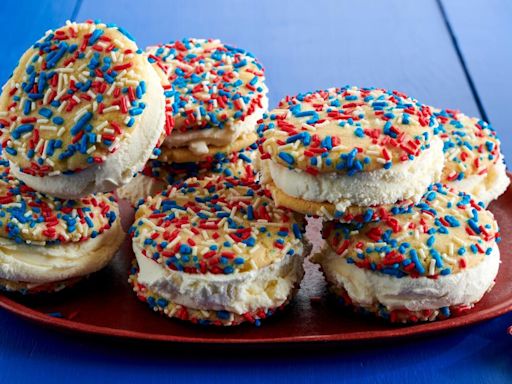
(105, 305)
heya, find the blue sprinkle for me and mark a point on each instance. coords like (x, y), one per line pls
(11, 151)
(286, 157)
(27, 106)
(452, 221)
(95, 36)
(81, 123)
(437, 258)
(296, 231)
(185, 249)
(414, 256)
(474, 226)
(58, 120)
(359, 132)
(135, 111)
(21, 129)
(45, 112)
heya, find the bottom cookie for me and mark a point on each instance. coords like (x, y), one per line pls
(198, 316)
(401, 315)
(328, 211)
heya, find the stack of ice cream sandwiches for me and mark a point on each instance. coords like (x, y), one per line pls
(403, 190)
(218, 94)
(210, 245)
(221, 187)
(80, 114)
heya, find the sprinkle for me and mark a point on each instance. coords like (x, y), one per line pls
(286, 157)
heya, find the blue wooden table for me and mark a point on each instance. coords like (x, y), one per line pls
(448, 53)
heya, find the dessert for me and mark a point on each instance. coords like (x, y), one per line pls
(220, 94)
(473, 160)
(323, 152)
(82, 111)
(440, 258)
(47, 243)
(216, 251)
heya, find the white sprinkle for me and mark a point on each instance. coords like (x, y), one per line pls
(111, 108)
(432, 267)
(62, 106)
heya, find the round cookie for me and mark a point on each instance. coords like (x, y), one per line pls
(216, 251)
(157, 176)
(81, 112)
(220, 95)
(473, 160)
(349, 146)
(47, 243)
(439, 258)
(353, 214)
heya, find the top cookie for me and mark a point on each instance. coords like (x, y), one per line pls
(444, 233)
(471, 146)
(215, 225)
(346, 130)
(74, 96)
(216, 85)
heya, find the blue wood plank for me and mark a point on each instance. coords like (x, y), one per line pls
(484, 30)
(307, 45)
(23, 23)
(477, 354)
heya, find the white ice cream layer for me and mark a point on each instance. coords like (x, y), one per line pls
(486, 187)
(119, 167)
(50, 263)
(268, 287)
(383, 186)
(198, 140)
(367, 288)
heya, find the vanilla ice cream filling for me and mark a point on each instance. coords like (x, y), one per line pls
(198, 140)
(119, 167)
(486, 187)
(368, 288)
(407, 180)
(238, 293)
(39, 264)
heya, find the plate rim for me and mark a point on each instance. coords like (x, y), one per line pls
(398, 332)
(470, 318)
